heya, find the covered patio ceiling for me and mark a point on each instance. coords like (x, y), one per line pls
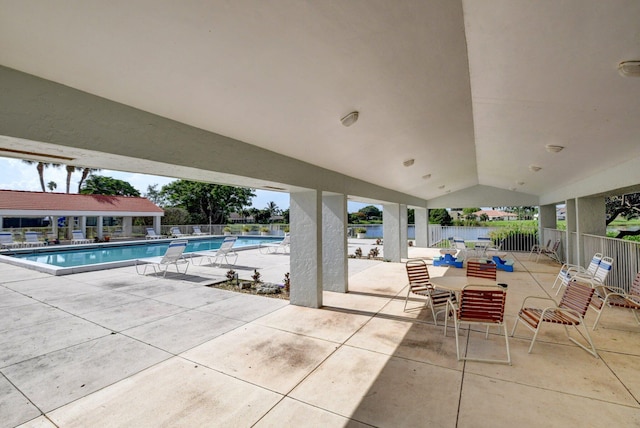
(472, 90)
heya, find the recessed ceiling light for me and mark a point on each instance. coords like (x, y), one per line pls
(350, 119)
(535, 168)
(426, 177)
(408, 162)
(441, 187)
(553, 148)
(629, 68)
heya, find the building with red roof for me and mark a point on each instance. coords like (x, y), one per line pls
(55, 206)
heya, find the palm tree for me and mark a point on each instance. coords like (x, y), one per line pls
(40, 167)
(52, 186)
(70, 170)
(272, 209)
(85, 174)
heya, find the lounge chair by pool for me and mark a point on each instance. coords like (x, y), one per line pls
(173, 256)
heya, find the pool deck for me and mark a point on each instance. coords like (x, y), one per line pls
(113, 348)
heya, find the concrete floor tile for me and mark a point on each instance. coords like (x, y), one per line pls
(356, 301)
(40, 422)
(292, 413)
(245, 307)
(625, 367)
(562, 368)
(156, 288)
(34, 313)
(169, 333)
(382, 391)
(80, 370)
(132, 314)
(15, 408)
(53, 288)
(176, 393)
(27, 342)
(415, 341)
(195, 297)
(493, 403)
(267, 357)
(10, 298)
(90, 302)
(333, 324)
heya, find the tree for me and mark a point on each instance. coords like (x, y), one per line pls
(371, 212)
(85, 174)
(52, 186)
(440, 216)
(627, 206)
(70, 170)
(153, 194)
(272, 209)
(206, 202)
(101, 185)
(40, 167)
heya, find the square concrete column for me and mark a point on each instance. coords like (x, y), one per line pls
(571, 250)
(334, 243)
(156, 224)
(391, 232)
(421, 216)
(127, 226)
(100, 225)
(546, 220)
(404, 232)
(591, 216)
(305, 215)
(83, 225)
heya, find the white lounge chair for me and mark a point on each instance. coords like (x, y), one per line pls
(274, 247)
(151, 234)
(31, 239)
(223, 253)
(176, 233)
(79, 238)
(6, 240)
(173, 256)
(197, 231)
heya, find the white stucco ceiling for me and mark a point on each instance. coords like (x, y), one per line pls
(472, 90)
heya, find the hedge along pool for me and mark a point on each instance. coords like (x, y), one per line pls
(67, 259)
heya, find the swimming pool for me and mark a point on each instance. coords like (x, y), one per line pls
(63, 260)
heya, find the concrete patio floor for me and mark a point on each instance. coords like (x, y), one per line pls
(112, 349)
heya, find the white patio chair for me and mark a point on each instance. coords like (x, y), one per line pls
(151, 234)
(173, 256)
(274, 247)
(215, 257)
(31, 239)
(79, 238)
(6, 241)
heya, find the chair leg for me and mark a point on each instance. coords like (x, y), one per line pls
(506, 341)
(455, 325)
(592, 351)
(535, 335)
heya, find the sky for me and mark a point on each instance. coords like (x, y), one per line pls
(17, 175)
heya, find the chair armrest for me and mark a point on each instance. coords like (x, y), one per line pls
(538, 298)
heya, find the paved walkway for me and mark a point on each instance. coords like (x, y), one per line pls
(115, 349)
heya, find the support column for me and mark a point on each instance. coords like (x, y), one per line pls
(305, 215)
(335, 271)
(127, 226)
(1, 223)
(591, 219)
(404, 233)
(391, 232)
(546, 220)
(571, 250)
(156, 224)
(421, 216)
(99, 224)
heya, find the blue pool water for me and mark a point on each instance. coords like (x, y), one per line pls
(117, 252)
